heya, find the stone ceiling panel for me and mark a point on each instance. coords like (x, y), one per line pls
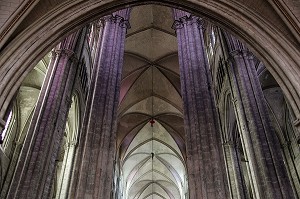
(170, 62)
(153, 158)
(153, 105)
(128, 123)
(151, 44)
(139, 91)
(163, 87)
(149, 16)
(131, 63)
(151, 145)
(127, 82)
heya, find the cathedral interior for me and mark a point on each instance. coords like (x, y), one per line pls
(149, 100)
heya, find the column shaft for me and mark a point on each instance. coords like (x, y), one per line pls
(261, 144)
(35, 168)
(206, 170)
(86, 119)
(96, 170)
(238, 190)
(65, 176)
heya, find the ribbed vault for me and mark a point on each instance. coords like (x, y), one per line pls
(150, 129)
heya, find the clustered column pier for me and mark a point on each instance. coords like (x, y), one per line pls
(261, 145)
(205, 167)
(96, 170)
(35, 169)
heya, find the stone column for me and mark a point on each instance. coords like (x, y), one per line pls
(205, 167)
(66, 170)
(35, 169)
(237, 188)
(259, 139)
(97, 158)
(86, 118)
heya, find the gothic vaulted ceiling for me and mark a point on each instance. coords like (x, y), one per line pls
(150, 129)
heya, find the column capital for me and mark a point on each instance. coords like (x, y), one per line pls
(241, 52)
(65, 53)
(124, 23)
(177, 25)
(188, 20)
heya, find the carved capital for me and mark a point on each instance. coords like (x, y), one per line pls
(65, 53)
(117, 19)
(122, 22)
(177, 25)
(188, 20)
(240, 52)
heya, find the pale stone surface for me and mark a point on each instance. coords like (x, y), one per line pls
(33, 178)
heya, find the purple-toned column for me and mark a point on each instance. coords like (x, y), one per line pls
(260, 142)
(86, 118)
(97, 160)
(205, 166)
(35, 169)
